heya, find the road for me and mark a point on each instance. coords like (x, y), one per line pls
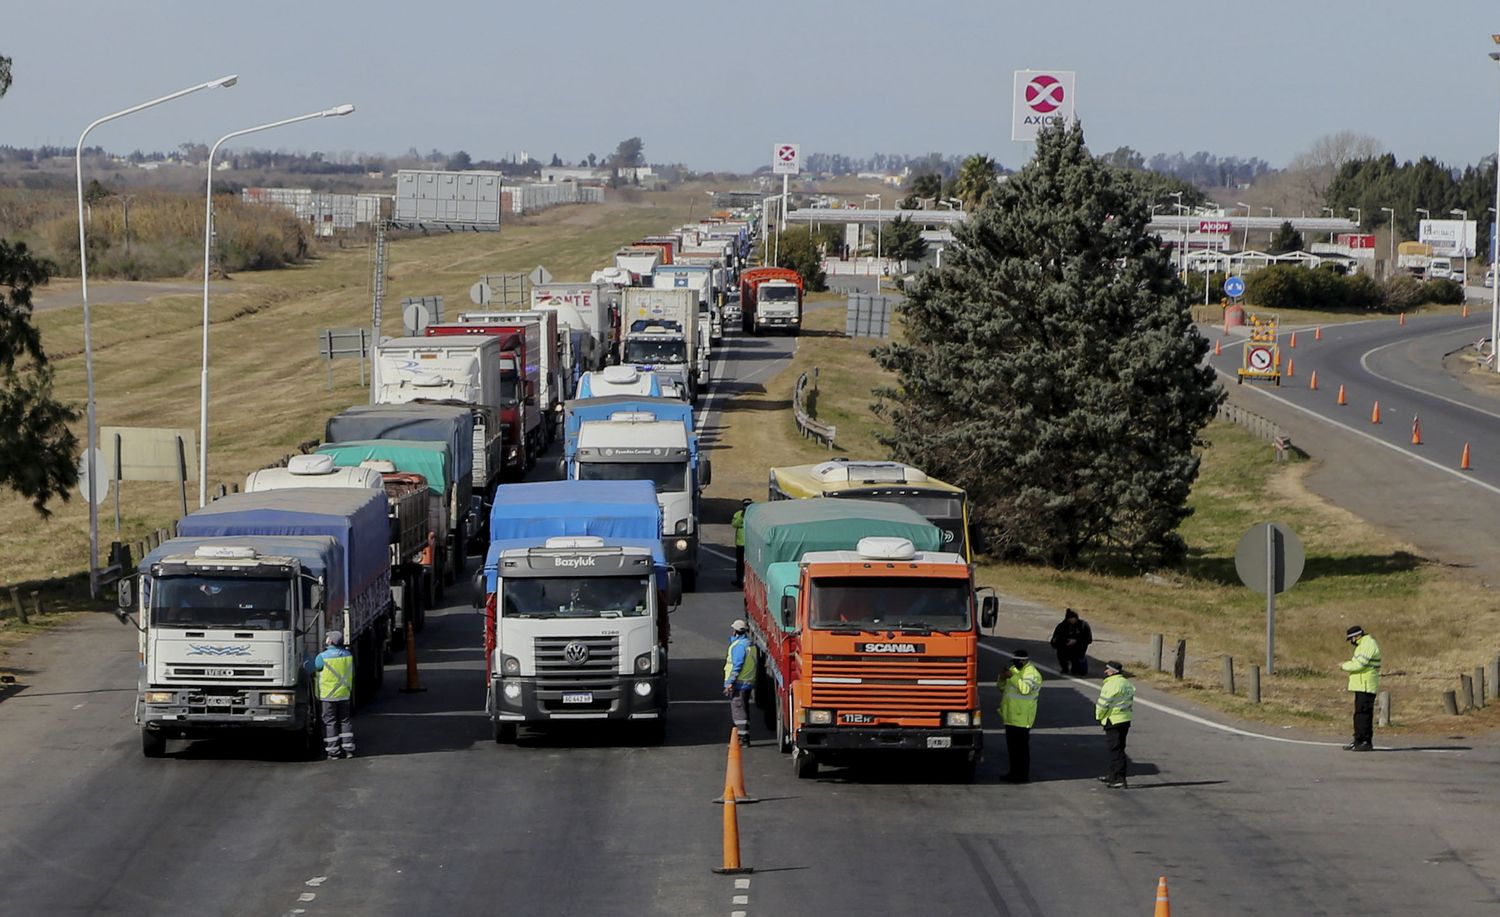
(434, 817)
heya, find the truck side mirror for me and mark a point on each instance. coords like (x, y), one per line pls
(124, 597)
(531, 394)
(316, 595)
(479, 594)
(705, 472)
(989, 612)
(789, 612)
(562, 468)
(674, 589)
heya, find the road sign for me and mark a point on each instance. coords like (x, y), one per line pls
(1041, 98)
(1216, 227)
(1234, 286)
(415, 318)
(479, 293)
(94, 494)
(1269, 560)
(786, 159)
(1259, 358)
(539, 276)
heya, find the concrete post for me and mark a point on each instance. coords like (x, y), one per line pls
(1228, 674)
(1156, 652)
(1255, 684)
(1179, 663)
(1383, 708)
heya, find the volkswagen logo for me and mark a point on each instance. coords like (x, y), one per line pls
(576, 653)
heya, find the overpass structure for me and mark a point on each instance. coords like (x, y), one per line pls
(1166, 225)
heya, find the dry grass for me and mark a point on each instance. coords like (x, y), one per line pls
(1432, 622)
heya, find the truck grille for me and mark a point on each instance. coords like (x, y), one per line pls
(599, 671)
(912, 688)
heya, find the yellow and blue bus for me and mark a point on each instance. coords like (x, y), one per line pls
(941, 503)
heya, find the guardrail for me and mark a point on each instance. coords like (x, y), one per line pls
(1258, 426)
(806, 424)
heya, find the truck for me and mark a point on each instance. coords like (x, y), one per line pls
(414, 555)
(576, 599)
(699, 279)
(867, 631)
(411, 462)
(1413, 257)
(447, 429)
(661, 329)
(640, 260)
(228, 621)
(458, 374)
(770, 297)
(545, 347)
(581, 307)
(519, 381)
(656, 445)
(618, 380)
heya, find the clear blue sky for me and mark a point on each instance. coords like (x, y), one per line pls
(713, 84)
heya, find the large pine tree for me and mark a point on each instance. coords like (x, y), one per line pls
(1051, 368)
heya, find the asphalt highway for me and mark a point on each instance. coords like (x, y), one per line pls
(433, 817)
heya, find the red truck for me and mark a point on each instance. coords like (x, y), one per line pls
(520, 378)
(770, 297)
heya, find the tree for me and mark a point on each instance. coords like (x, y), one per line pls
(4, 75)
(556, 161)
(1051, 368)
(1314, 168)
(1285, 240)
(628, 154)
(976, 181)
(800, 251)
(902, 240)
(929, 184)
(459, 162)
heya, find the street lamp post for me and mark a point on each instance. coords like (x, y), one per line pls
(1495, 290)
(208, 229)
(1182, 253)
(1463, 240)
(1329, 211)
(1391, 268)
(1245, 242)
(88, 339)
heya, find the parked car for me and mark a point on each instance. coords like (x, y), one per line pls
(1489, 277)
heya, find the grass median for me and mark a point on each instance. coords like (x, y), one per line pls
(1431, 621)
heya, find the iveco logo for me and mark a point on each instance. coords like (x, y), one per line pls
(891, 647)
(576, 653)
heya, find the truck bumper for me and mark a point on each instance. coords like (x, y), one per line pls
(844, 738)
(777, 321)
(523, 700)
(192, 712)
(681, 551)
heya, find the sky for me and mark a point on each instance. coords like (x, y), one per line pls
(715, 85)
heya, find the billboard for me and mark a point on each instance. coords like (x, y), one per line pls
(1039, 99)
(1449, 238)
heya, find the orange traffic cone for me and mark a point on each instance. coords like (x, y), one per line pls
(1465, 313)
(1463, 463)
(1416, 430)
(1341, 394)
(732, 865)
(1218, 347)
(1163, 905)
(1292, 341)
(1403, 318)
(1375, 413)
(1313, 382)
(413, 686)
(734, 774)
(1278, 358)
(1289, 362)
(1318, 333)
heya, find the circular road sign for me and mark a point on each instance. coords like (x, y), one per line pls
(1285, 548)
(480, 293)
(786, 153)
(94, 494)
(1044, 93)
(1234, 286)
(416, 318)
(1260, 359)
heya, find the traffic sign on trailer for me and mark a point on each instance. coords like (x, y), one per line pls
(415, 318)
(540, 276)
(786, 159)
(480, 293)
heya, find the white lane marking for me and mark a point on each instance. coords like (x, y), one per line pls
(1466, 478)
(307, 896)
(740, 899)
(736, 914)
(713, 550)
(315, 881)
(741, 883)
(80, 706)
(1365, 365)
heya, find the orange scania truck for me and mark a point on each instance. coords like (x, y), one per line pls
(866, 630)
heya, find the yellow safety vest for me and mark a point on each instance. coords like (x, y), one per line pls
(1018, 700)
(336, 678)
(1116, 703)
(746, 674)
(1364, 668)
(738, 521)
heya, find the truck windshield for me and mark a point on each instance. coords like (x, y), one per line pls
(880, 602)
(508, 387)
(669, 477)
(575, 597)
(249, 603)
(777, 294)
(655, 350)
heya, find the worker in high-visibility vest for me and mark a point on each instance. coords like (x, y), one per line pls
(1364, 682)
(1114, 711)
(334, 669)
(737, 521)
(739, 677)
(1020, 685)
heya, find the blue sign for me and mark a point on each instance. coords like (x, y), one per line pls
(1234, 287)
(679, 280)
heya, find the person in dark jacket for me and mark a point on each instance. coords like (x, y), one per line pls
(1071, 639)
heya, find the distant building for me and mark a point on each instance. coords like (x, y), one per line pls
(582, 175)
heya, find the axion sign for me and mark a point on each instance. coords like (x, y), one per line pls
(1040, 98)
(1217, 227)
(786, 159)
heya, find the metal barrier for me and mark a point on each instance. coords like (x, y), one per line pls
(1258, 426)
(806, 425)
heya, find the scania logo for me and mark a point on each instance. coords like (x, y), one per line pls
(576, 653)
(891, 647)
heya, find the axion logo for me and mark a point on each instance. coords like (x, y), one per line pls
(1044, 93)
(576, 561)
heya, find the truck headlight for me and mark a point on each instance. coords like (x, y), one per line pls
(643, 663)
(510, 665)
(682, 525)
(820, 717)
(278, 699)
(159, 697)
(682, 544)
(958, 718)
(643, 688)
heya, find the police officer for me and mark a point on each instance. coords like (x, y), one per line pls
(335, 672)
(1364, 682)
(1071, 638)
(1114, 710)
(739, 677)
(1020, 685)
(738, 521)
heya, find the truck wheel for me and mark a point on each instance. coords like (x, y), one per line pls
(653, 732)
(783, 735)
(804, 764)
(965, 766)
(690, 581)
(505, 733)
(153, 743)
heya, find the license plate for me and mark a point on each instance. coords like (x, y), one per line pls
(939, 742)
(223, 700)
(219, 673)
(582, 697)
